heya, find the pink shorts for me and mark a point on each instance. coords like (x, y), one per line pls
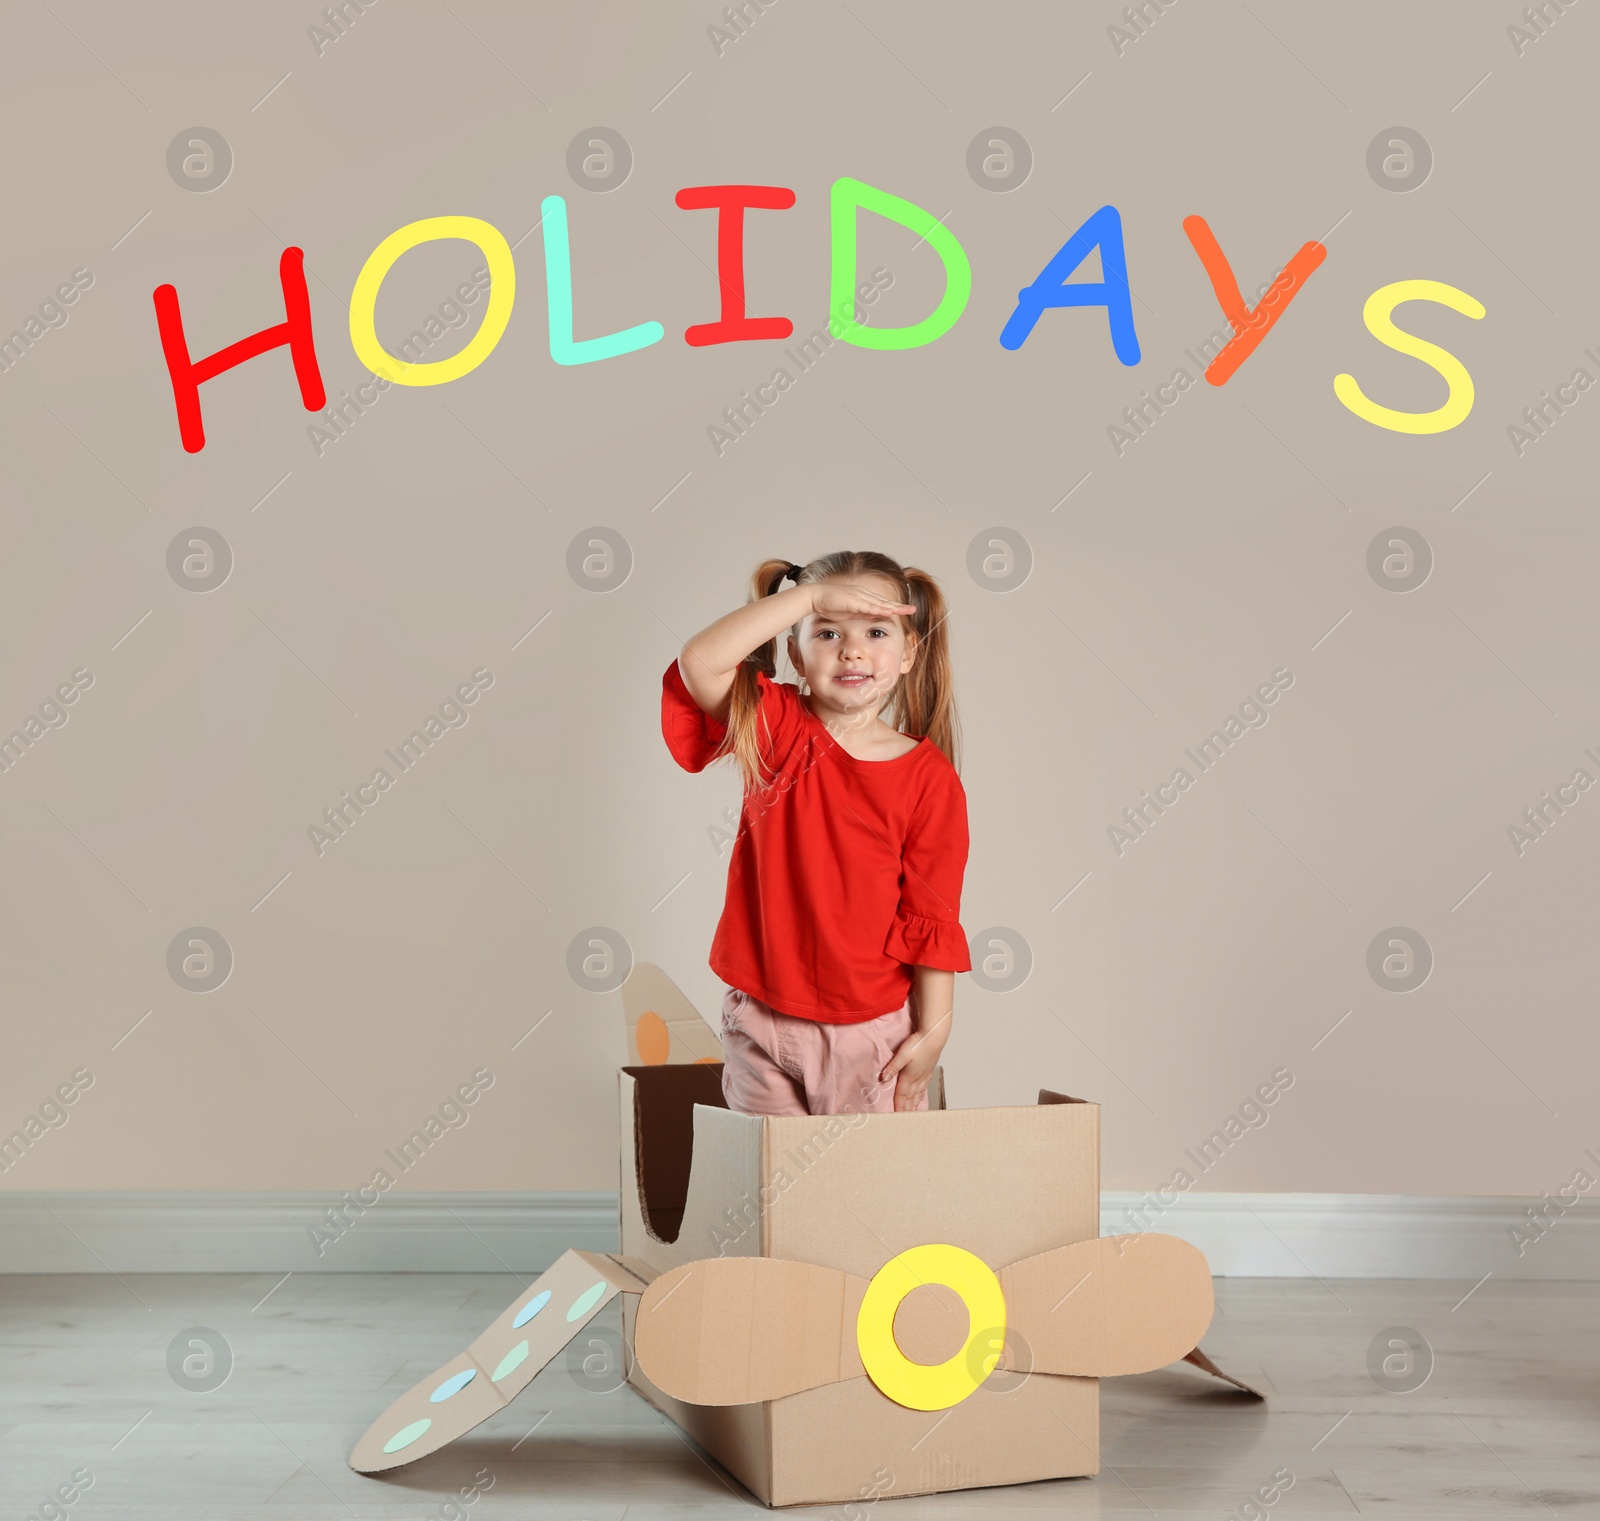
(779, 1064)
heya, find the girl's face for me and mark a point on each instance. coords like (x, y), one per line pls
(851, 662)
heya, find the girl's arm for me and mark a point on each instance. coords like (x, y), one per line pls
(710, 658)
(911, 1067)
(934, 1003)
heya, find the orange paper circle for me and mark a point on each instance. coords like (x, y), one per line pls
(653, 1038)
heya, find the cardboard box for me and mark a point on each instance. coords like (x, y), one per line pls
(849, 1193)
(841, 1308)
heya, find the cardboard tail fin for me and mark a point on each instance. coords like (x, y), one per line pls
(502, 1362)
(1204, 1363)
(660, 1025)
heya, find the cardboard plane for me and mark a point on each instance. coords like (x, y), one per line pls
(841, 1305)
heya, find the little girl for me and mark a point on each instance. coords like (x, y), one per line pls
(840, 935)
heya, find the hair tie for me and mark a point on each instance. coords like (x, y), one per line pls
(791, 574)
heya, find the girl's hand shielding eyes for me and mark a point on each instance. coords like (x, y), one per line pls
(838, 599)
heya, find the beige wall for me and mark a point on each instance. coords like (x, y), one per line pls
(424, 545)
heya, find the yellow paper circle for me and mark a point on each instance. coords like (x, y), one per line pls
(931, 1386)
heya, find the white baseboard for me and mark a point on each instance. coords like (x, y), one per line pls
(1242, 1235)
(1368, 1235)
(272, 1232)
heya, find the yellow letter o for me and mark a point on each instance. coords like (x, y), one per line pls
(936, 1386)
(364, 300)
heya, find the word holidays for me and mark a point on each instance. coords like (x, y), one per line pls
(1050, 290)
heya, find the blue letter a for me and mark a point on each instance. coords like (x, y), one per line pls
(1103, 229)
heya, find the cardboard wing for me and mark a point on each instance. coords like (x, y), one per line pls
(502, 1362)
(659, 1023)
(735, 1330)
(739, 1330)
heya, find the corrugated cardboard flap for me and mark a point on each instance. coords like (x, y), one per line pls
(502, 1361)
(1204, 1363)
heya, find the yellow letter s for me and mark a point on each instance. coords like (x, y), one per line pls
(1377, 316)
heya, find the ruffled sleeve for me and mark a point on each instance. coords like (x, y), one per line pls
(920, 941)
(926, 929)
(692, 734)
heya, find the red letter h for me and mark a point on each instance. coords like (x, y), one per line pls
(295, 330)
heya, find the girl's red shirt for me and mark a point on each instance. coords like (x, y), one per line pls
(844, 874)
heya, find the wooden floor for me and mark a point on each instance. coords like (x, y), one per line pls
(1507, 1424)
